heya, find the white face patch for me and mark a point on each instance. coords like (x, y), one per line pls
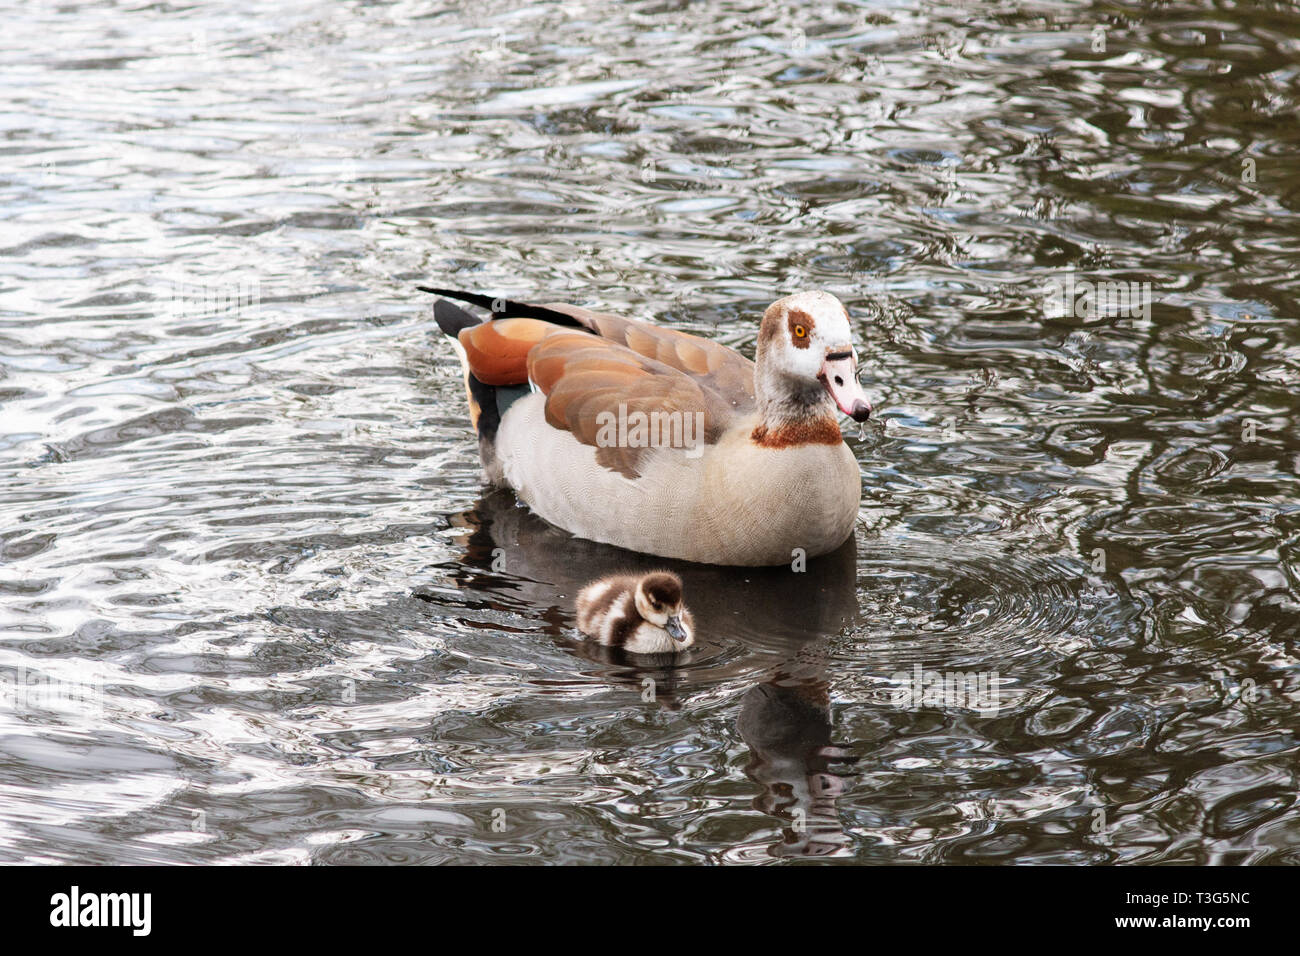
(826, 324)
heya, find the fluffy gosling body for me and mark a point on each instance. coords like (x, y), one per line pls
(643, 614)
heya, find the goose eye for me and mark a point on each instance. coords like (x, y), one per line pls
(800, 331)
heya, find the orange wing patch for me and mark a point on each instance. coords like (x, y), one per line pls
(498, 351)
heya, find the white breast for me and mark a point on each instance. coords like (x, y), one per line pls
(649, 639)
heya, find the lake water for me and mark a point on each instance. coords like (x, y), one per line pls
(257, 606)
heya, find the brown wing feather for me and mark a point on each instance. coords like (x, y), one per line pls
(642, 367)
(719, 368)
(590, 383)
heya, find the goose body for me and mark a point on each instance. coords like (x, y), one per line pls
(666, 443)
(643, 614)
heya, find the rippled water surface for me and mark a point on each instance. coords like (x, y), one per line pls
(240, 505)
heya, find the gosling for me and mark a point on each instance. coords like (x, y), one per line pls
(641, 614)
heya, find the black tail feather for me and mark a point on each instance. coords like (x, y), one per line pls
(487, 403)
(502, 308)
(452, 318)
(483, 402)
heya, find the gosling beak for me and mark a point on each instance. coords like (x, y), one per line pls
(839, 375)
(675, 629)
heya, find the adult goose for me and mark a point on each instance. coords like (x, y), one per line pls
(666, 443)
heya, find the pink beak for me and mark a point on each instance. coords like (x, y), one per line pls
(840, 376)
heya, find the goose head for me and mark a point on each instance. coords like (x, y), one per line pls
(659, 601)
(806, 366)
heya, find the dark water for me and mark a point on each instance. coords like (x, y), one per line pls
(240, 501)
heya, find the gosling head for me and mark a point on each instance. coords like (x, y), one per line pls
(806, 362)
(659, 601)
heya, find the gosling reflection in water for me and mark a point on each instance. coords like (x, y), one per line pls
(786, 724)
(770, 624)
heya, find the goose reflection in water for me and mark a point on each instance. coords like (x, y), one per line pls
(764, 626)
